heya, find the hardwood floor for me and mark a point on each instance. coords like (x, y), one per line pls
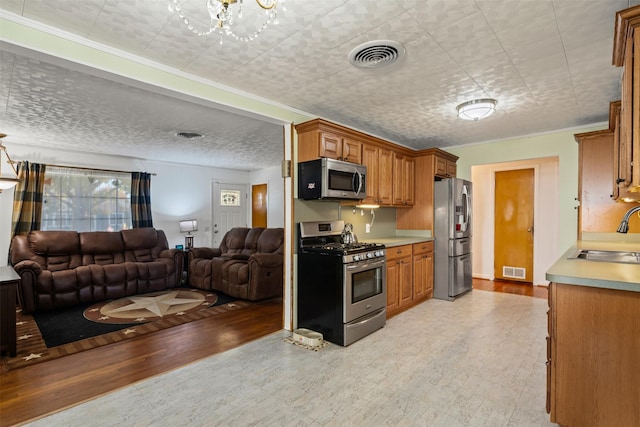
(30, 393)
(510, 287)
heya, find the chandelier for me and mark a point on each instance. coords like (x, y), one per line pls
(223, 14)
(8, 180)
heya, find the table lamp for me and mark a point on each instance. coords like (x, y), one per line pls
(187, 226)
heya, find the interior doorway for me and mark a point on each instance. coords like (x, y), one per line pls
(513, 230)
(229, 209)
(259, 205)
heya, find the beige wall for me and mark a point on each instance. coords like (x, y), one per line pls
(546, 215)
(561, 145)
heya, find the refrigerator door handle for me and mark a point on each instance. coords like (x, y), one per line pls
(467, 206)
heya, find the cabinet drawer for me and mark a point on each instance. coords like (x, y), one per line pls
(399, 251)
(423, 247)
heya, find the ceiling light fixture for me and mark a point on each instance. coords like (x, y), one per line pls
(477, 109)
(221, 17)
(7, 181)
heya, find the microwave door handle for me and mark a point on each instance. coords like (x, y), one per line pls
(359, 175)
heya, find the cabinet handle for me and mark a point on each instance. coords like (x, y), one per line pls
(619, 180)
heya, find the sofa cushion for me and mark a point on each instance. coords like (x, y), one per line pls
(271, 241)
(101, 247)
(233, 241)
(139, 238)
(54, 242)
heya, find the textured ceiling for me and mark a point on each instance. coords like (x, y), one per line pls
(547, 62)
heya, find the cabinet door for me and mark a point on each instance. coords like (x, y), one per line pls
(393, 283)
(406, 281)
(428, 274)
(385, 177)
(403, 180)
(351, 150)
(409, 166)
(370, 160)
(398, 187)
(418, 276)
(440, 167)
(330, 146)
(451, 169)
(423, 275)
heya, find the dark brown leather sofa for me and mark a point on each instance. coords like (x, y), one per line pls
(247, 265)
(65, 268)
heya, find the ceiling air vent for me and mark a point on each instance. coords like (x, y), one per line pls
(189, 135)
(376, 54)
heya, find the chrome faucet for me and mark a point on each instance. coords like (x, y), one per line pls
(624, 224)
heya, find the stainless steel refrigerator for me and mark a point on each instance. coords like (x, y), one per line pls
(452, 231)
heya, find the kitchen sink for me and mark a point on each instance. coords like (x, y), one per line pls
(624, 257)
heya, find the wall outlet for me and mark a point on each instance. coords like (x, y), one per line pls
(367, 228)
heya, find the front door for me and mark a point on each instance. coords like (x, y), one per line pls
(229, 209)
(513, 239)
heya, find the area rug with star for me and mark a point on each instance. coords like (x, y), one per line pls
(49, 335)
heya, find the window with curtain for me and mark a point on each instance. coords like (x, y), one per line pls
(86, 200)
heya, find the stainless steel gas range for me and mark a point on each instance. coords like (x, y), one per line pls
(342, 290)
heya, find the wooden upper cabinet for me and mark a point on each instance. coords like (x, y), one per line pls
(626, 49)
(379, 166)
(319, 138)
(351, 150)
(403, 180)
(330, 146)
(597, 212)
(444, 168)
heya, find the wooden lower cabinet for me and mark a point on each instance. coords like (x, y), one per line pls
(423, 270)
(593, 356)
(399, 278)
(409, 276)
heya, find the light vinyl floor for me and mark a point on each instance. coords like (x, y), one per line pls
(477, 361)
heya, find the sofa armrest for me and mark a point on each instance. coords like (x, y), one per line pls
(27, 266)
(206, 253)
(177, 258)
(170, 253)
(29, 272)
(267, 260)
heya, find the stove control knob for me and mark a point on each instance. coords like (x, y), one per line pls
(370, 255)
(356, 257)
(379, 253)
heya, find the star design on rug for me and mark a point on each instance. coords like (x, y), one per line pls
(103, 317)
(141, 319)
(32, 356)
(20, 323)
(24, 337)
(158, 305)
(129, 331)
(94, 309)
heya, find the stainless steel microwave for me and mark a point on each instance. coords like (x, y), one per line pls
(331, 179)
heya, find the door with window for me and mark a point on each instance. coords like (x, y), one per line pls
(229, 209)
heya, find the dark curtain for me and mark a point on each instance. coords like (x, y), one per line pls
(27, 198)
(141, 199)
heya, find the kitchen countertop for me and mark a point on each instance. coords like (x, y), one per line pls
(397, 240)
(608, 275)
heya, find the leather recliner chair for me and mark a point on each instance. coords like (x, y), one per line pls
(247, 265)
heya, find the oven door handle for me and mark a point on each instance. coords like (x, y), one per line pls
(367, 266)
